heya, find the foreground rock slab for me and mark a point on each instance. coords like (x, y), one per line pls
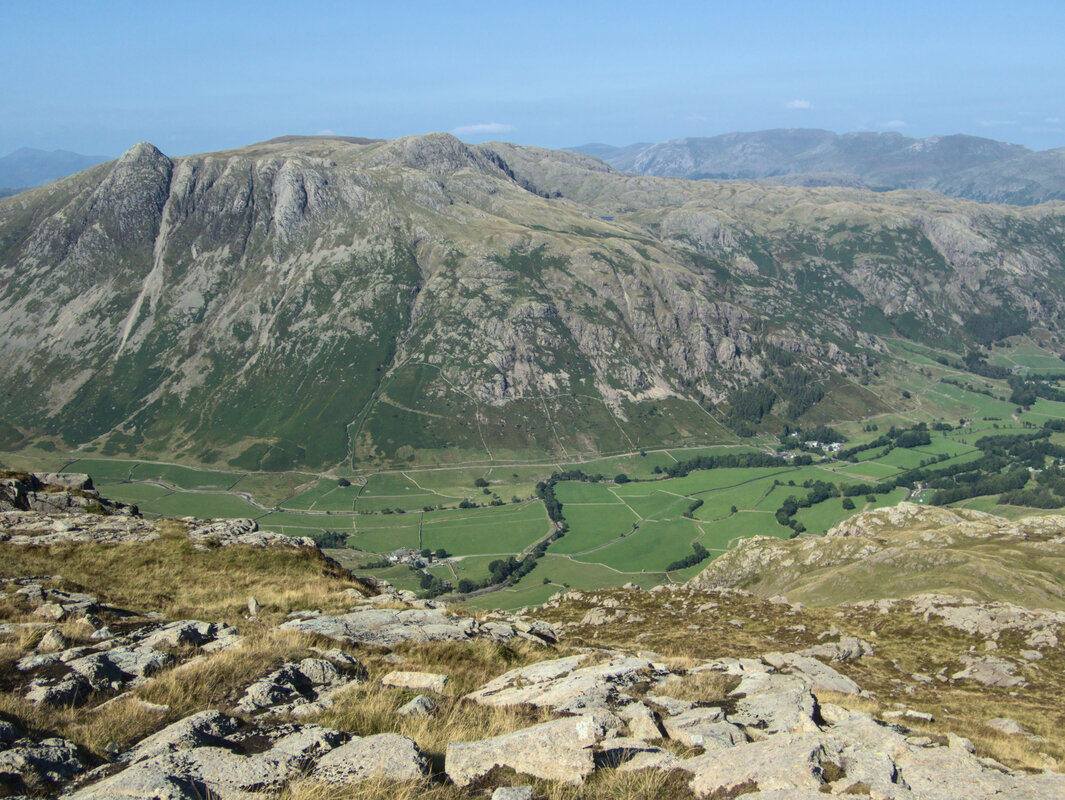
(561, 750)
(386, 755)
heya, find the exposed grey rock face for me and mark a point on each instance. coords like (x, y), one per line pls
(227, 532)
(70, 524)
(50, 760)
(560, 750)
(704, 727)
(821, 676)
(386, 755)
(424, 681)
(58, 493)
(783, 762)
(775, 704)
(566, 686)
(988, 670)
(513, 793)
(118, 663)
(386, 627)
(1010, 727)
(205, 729)
(379, 242)
(847, 648)
(420, 706)
(300, 688)
(202, 755)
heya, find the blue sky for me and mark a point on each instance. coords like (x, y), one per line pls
(192, 76)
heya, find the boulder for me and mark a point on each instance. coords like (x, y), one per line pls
(422, 681)
(988, 670)
(513, 793)
(52, 642)
(820, 676)
(51, 760)
(784, 762)
(420, 706)
(774, 704)
(386, 755)
(642, 721)
(704, 727)
(1010, 727)
(560, 750)
(564, 685)
(204, 729)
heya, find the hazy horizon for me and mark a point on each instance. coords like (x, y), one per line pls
(203, 77)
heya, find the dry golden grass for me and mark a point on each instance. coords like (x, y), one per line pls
(702, 687)
(123, 722)
(218, 680)
(471, 664)
(603, 785)
(172, 576)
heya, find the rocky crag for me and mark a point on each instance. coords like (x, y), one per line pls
(904, 550)
(324, 301)
(330, 686)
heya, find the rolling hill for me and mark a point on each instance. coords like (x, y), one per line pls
(959, 166)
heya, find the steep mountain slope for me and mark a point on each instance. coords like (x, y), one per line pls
(312, 301)
(960, 166)
(29, 166)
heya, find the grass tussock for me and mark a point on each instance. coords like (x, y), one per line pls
(123, 722)
(702, 687)
(172, 576)
(469, 665)
(603, 785)
(219, 680)
(373, 708)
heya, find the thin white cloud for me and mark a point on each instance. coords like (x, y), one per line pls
(995, 123)
(1052, 120)
(481, 128)
(894, 123)
(326, 132)
(798, 104)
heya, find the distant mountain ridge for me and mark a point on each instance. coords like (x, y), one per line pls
(28, 167)
(959, 165)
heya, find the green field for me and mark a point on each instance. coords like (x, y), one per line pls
(617, 532)
(206, 505)
(502, 530)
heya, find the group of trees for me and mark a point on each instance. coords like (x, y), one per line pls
(699, 554)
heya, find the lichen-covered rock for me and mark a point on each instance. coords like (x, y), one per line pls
(51, 760)
(421, 681)
(565, 685)
(561, 750)
(386, 755)
(386, 627)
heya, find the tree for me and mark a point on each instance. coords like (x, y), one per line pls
(848, 504)
(621, 477)
(465, 586)
(440, 553)
(343, 482)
